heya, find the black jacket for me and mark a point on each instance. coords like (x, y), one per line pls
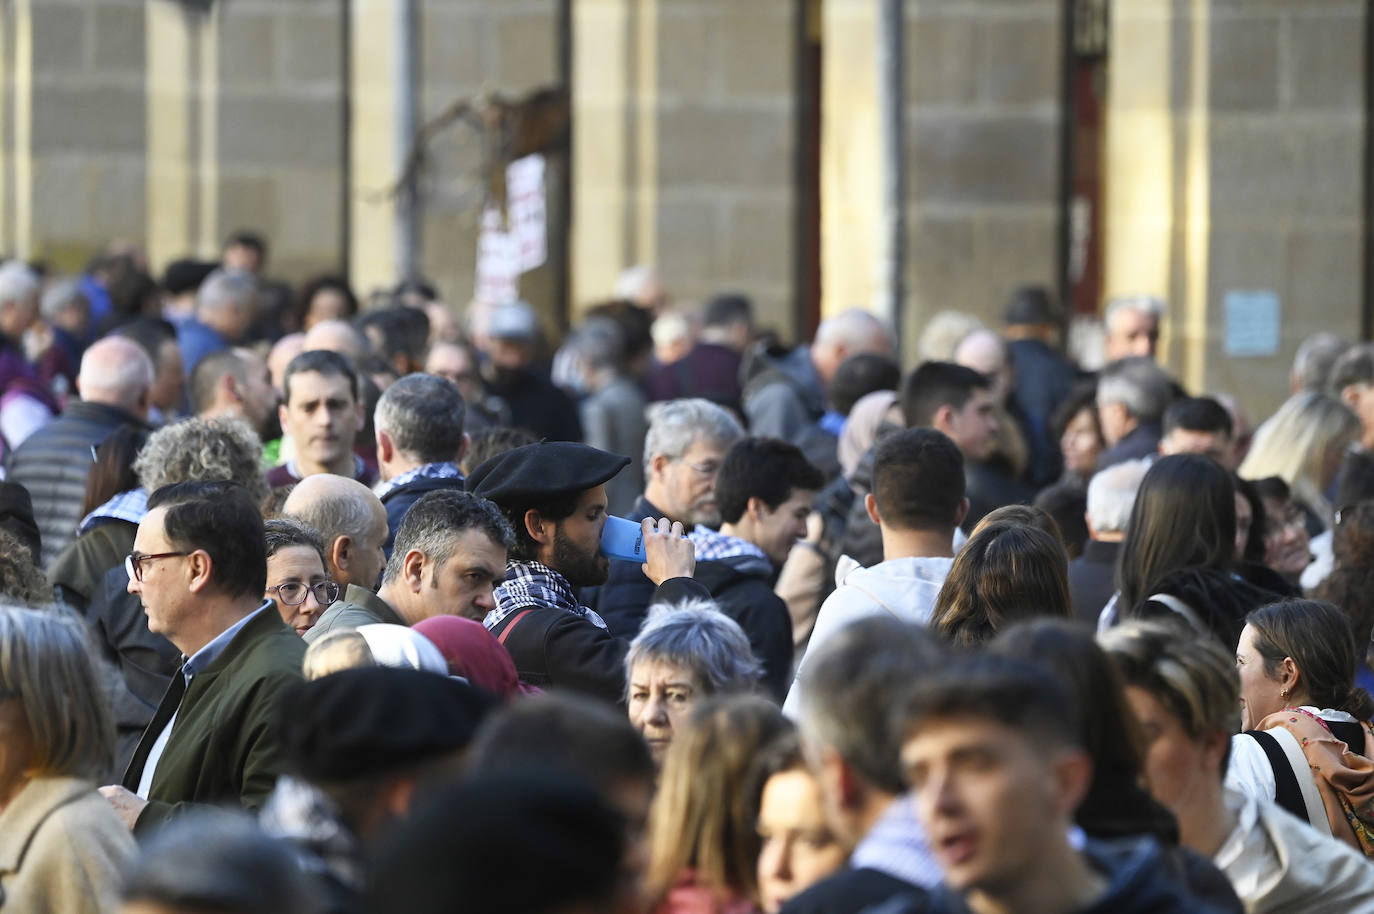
(623, 601)
(146, 662)
(1220, 600)
(53, 463)
(850, 890)
(744, 592)
(1142, 879)
(540, 406)
(1044, 379)
(397, 502)
(988, 489)
(1092, 579)
(1142, 441)
(557, 649)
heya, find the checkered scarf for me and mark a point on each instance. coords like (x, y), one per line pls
(535, 584)
(129, 506)
(444, 470)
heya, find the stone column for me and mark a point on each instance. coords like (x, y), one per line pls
(1235, 163)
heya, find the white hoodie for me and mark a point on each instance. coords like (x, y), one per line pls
(905, 588)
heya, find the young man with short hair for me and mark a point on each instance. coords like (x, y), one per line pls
(764, 489)
(321, 412)
(917, 501)
(1198, 425)
(992, 749)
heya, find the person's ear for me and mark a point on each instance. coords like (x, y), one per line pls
(539, 529)
(386, 448)
(1350, 395)
(943, 420)
(413, 570)
(283, 416)
(756, 508)
(341, 554)
(871, 506)
(1289, 675)
(1215, 745)
(962, 513)
(463, 448)
(361, 422)
(1073, 774)
(200, 566)
(658, 464)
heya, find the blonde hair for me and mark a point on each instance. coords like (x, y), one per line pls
(704, 816)
(46, 664)
(1295, 443)
(335, 651)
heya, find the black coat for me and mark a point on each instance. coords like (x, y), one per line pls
(53, 463)
(851, 890)
(747, 596)
(623, 601)
(540, 406)
(1092, 580)
(398, 501)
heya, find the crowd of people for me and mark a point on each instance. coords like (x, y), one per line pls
(307, 606)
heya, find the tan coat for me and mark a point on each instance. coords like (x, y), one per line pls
(62, 850)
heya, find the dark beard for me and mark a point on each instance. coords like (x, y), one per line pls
(582, 569)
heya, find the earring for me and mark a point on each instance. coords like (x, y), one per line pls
(1283, 693)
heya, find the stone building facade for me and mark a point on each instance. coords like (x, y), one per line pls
(734, 143)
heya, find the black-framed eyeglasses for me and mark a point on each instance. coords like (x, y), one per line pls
(133, 562)
(292, 593)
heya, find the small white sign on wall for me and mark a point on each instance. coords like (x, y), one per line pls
(1252, 322)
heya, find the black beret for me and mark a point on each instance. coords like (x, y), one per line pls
(371, 720)
(543, 471)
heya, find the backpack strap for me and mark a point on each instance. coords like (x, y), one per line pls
(1294, 787)
(1183, 609)
(510, 626)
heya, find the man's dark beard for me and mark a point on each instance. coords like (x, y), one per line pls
(582, 569)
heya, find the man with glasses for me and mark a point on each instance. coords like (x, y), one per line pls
(450, 555)
(682, 453)
(199, 567)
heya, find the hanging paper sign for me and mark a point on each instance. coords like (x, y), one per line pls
(498, 262)
(526, 215)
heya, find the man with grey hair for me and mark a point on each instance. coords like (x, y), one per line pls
(450, 554)
(236, 382)
(612, 412)
(1132, 395)
(686, 441)
(420, 439)
(785, 394)
(53, 462)
(1092, 576)
(1314, 362)
(19, 288)
(854, 753)
(1132, 324)
(226, 306)
(352, 523)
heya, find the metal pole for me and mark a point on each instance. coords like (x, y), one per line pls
(892, 278)
(404, 31)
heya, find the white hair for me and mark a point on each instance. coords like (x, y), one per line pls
(17, 281)
(115, 371)
(671, 327)
(226, 288)
(674, 425)
(853, 327)
(634, 280)
(1111, 495)
(1141, 304)
(59, 296)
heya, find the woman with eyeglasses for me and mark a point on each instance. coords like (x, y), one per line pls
(296, 577)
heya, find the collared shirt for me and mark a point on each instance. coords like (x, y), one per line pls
(896, 845)
(130, 506)
(712, 546)
(443, 470)
(198, 662)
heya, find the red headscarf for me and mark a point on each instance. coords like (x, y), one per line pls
(474, 653)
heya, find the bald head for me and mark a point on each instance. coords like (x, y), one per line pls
(336, 336)
(283, 351)
(117, 372)
(986, 353)
(845, 334)
(351, 521)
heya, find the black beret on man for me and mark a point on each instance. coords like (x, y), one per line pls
(375, 720)
(543, 471)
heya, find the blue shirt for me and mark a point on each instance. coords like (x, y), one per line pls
(197, 341)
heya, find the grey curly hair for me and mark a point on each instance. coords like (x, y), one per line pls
(202, 450)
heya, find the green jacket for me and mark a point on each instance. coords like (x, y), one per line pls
(223, 747)
(358, 607)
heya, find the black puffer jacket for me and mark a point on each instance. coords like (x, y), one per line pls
(53, 462)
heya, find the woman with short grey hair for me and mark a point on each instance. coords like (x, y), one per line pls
(62, 847)
(684, 653)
